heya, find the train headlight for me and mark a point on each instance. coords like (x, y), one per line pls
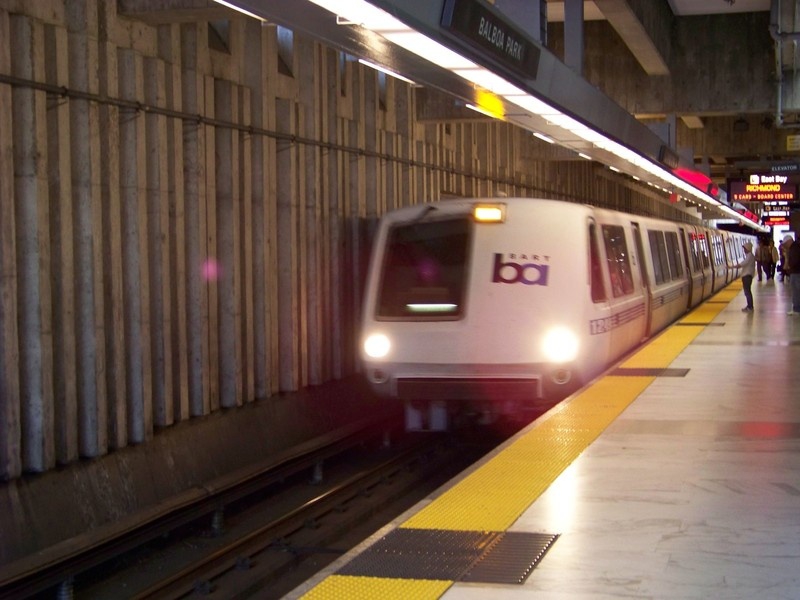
(560, 345)
(377, 345)
(494, 212)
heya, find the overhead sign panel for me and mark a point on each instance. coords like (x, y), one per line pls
(763, 188)
(489, 31)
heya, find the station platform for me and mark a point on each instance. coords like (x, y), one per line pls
(676, 474)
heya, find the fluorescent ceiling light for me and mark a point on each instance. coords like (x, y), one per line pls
(385, 70)
(533, 105)
(543, 137)
(481, 110)
(488, 80)
(240, 9)
(363, 13)
(586, 156)
(429, 50)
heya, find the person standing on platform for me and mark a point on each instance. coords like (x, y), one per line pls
(784, 247)
(793, 270)
(762, 258)
(748, 266)
(776, 257)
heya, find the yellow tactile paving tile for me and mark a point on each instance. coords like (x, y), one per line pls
(661, 351)
(493, 496)
(338, 587)
(707, 311)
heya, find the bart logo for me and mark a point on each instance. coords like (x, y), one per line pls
(512, 272)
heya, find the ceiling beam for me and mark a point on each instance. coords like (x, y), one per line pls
(628, 26)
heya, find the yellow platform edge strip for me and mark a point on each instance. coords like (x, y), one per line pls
(496, 493)
(340, 587)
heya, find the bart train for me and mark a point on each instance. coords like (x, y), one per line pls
(489, 307)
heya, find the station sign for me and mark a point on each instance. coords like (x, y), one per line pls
(785, 167)
(763, 188)
(488, 30)
(775, 213)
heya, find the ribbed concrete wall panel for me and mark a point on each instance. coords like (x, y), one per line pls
(186, 228)
(10, 435)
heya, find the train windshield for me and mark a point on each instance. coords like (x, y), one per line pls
(425, 270)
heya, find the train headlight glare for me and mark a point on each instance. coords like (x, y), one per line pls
(377, 345)
(560, 345)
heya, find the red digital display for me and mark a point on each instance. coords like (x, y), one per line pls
(762, 191)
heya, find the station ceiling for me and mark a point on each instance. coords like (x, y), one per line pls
(761, 132)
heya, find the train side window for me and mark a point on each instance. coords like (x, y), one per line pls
(695, 252)
(713, 244)
(618, 260)
(598, 287)
(658, 252)
(703, 249)
(673, 254)
(719, 256)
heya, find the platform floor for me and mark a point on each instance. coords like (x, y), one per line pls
(675, 475)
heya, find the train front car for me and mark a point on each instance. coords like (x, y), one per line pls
(480, 307)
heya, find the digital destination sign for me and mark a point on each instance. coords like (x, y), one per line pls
(763, 188)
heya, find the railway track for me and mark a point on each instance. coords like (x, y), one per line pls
(58, 571)
(263, 534)
(277, 541)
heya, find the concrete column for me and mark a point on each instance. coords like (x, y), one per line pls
(244, 283)
(312, 325)
(573, 35)
(169, 50)
(158, 244)
(254, 73)
(87, 206)
(10, 438)
(288, 262)
(368, 122)
(528, 15)
(63, 249)
(198, 268)
(32, 216)
(335, 258)
(210, 249)
(113, 274)
(227, 235)
(133, 195)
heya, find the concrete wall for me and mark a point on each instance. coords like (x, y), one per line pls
(184, 229)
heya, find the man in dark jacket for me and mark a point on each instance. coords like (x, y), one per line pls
(793, 269)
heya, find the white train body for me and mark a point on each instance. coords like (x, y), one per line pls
(502, 313)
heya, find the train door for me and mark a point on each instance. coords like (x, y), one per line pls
(700, 243)
(690, 271)
(717, 260)
(646, 292)
(628, 318)
(694, 265)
